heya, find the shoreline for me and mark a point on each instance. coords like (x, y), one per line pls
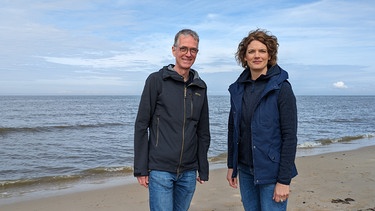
(323, 178)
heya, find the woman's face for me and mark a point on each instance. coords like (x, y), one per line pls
(257, 57)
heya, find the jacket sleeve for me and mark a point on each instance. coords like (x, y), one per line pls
(288, 125)
(230, 140)
(204, 139)
(143, 120)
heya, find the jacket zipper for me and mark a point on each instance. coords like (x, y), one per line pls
(256, 180)
(191, 106)
(157, 131)
(183, 132)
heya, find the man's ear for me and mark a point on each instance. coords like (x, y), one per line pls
(174, 51)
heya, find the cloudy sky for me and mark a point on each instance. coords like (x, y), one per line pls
(110, 47)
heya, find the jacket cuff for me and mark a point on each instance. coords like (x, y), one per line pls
(284, 182)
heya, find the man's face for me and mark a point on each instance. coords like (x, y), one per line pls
(186, 52)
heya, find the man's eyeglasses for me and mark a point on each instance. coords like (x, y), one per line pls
(193, 51)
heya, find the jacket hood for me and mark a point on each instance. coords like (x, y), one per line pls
(169, 72)
(276, 76)
(272, 71)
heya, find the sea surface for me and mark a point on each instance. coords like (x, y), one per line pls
(52, 142)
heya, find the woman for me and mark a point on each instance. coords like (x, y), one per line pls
(262, 126)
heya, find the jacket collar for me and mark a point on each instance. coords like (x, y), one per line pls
(276, 77)
(169, 72)
(245, 76)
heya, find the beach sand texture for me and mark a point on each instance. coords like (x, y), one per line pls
(333, 181)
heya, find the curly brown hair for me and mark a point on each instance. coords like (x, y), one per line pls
(262, 36)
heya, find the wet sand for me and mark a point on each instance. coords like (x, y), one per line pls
(333, 181)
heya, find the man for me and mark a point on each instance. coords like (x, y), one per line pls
(172, 135)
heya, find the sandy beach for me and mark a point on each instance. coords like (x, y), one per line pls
(333, 181)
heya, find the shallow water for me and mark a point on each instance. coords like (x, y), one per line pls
(60, 140)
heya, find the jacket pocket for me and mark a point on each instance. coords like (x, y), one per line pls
(274, 156)
(194, 105)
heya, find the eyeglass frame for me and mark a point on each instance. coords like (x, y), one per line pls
(184, 49)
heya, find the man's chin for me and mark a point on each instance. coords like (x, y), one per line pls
(187, 65)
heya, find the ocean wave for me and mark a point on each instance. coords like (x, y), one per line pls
(108, 170)
(219, 158)
(41, 129)
(328, 141)
(99, 172)
(38, 181)
(118, 171)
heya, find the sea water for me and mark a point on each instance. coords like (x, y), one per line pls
(52, 141)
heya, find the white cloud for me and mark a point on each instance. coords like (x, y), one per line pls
(67, 40)
(340, 85)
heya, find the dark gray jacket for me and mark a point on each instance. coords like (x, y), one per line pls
(172, 126)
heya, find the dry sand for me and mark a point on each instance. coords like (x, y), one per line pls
(334, 181)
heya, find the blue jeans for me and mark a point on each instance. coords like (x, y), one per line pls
(257, 197)
(171, 192)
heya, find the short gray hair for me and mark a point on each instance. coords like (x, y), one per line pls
(185, 32)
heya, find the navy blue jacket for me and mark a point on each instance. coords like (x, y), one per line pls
(273, 129)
